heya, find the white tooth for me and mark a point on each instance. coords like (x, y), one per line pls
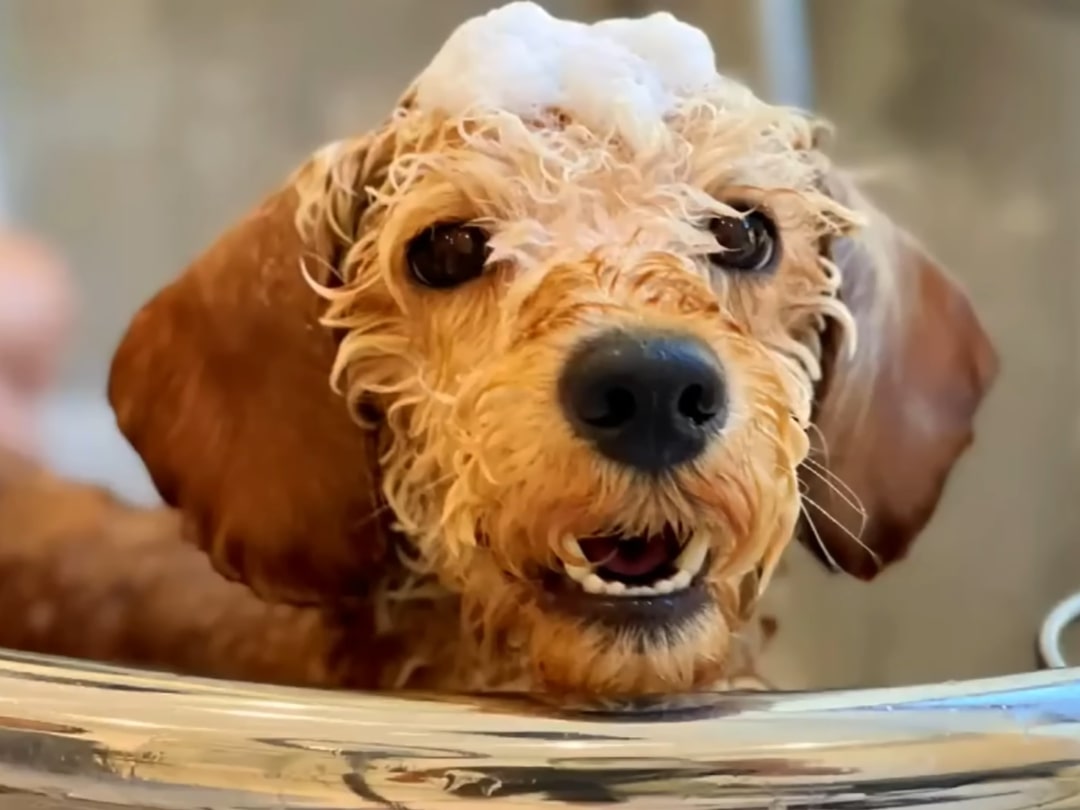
(681, 580)
(573, 548)
(593, 584)
(692, 557)
(578, 573)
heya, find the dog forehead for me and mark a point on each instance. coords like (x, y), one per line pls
(626, 75)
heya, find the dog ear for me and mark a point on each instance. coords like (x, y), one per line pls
(222, 385)
(894, 416)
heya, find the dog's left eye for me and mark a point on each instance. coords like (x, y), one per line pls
(447, 255)
(747, 242)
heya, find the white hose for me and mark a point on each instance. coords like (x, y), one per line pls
(1053, 628)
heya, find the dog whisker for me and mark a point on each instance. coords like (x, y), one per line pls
(822, 444)
(822, 546)
(837, 485)
(840, 525)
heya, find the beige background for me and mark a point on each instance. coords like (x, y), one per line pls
(132, 131)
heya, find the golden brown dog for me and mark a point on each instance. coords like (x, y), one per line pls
(528, 388)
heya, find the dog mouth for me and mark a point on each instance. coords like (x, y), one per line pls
(649, 582)
(635, 566)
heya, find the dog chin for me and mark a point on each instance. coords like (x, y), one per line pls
(615, 616)
(636, 615)
(623, 658)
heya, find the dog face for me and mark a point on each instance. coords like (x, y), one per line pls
(583, 366)
(593, 368)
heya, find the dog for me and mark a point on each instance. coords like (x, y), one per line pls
(527, 389)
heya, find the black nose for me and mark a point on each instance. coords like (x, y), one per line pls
(649, 401)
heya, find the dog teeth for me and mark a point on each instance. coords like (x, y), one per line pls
(681, 580)
(572, 547)
(692, 557)
(689, 564)
(578, 573)
(593, 584)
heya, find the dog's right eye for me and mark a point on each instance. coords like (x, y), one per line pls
(748, 243)
(447, 255)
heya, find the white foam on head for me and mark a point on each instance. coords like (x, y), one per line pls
(623, 74)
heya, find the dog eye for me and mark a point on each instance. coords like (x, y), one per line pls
(447, 255)
(748, 242)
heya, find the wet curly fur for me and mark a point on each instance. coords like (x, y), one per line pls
(391, 462)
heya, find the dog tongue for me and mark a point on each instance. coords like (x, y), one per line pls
(629, 557)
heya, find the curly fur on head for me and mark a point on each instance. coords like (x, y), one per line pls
(451, 510)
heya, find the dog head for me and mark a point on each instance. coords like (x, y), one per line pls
(560, 336)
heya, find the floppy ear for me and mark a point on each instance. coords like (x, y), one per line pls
(222, 385)
(894, 417)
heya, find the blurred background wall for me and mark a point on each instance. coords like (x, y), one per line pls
(133, 131)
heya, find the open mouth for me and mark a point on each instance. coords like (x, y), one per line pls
(648, 583)
(639, 566)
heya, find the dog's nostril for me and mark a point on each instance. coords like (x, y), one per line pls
(649, 401)
(697, 404)
(614, 407)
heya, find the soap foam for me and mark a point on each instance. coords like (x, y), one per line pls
(619, 74)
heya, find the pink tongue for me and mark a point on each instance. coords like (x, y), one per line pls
(627, 558)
